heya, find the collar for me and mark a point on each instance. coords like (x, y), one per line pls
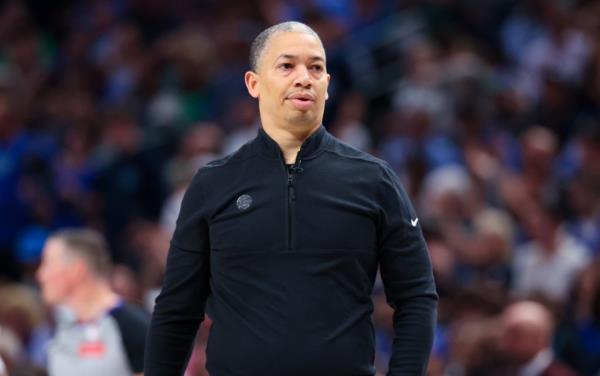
(310, 148)
(538, 364)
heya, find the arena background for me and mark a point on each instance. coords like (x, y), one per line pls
(488, 110)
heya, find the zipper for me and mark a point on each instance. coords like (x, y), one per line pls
(291, 178)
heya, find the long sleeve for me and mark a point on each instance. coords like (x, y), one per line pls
(179, 308)
(408, 281)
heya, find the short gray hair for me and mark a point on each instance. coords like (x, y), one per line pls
(260, 42)
(89, 246)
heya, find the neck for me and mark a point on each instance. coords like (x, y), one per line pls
(289, 140)
(91, 299)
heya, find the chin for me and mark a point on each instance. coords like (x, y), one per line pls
(51, 299)
(302, 119)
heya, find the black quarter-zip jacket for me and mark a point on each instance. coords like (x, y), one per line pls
(284, 258)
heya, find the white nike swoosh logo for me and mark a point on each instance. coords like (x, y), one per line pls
(414, 222)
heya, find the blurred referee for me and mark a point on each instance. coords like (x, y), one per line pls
(280, 242)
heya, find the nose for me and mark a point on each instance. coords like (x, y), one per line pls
(302, 78)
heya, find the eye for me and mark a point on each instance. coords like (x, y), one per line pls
(285, 66)
(317, 68)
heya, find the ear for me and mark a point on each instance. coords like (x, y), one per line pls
(327, 91)
(252, 84)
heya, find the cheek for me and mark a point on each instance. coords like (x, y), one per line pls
(54, 281)
(269, 97)
(322, 90)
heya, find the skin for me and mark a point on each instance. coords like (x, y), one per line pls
(290, 83)
(527, 330)
(57, 273)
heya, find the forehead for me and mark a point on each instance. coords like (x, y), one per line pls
(54, 250)
(293, 43)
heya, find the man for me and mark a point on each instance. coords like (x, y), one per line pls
(97, 333)
(552, 251)
(282, 240)
(528, 330)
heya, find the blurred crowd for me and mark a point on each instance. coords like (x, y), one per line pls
(488, 110)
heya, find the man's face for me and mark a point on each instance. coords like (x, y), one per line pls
(522, 341)
(55, 272)
(291, 80)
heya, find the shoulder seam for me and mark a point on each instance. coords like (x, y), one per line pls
(368, 159)
(225, 161)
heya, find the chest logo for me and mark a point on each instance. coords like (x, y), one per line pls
(243, 202)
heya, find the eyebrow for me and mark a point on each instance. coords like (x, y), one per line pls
(295, 57)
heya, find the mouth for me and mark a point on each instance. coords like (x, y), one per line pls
(301, 101)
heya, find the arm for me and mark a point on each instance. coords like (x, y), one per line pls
(408, 281)
(179, 308)
(133, 326)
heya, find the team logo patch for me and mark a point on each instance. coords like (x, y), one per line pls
(92, 349)
(243, 202)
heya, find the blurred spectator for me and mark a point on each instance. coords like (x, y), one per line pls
(587, 150)
(473, 347)
(421, 91)
(244, 125)
(560, 50)
(130, 181)
(555, 109)
(349, 126)
(139, 280)
(122, 60)
(413, 144)
(447, 195)
(584, 199)
(551, 252)
(12, 154)
(74, 173)
(22, 315)
(10, 352)
(199, 145)
(534, 179)
(527, 341)
(96, 332)
(521, 27)
(484, 252)
(578, 337)
(469, 332)
(193, 59)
